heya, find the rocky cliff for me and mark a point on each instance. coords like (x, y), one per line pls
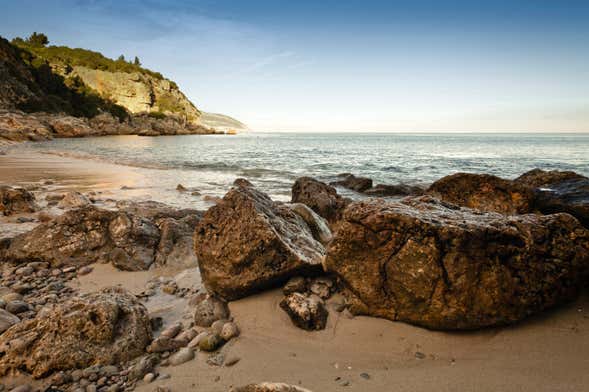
(44, 87)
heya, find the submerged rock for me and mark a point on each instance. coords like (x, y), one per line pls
(383, 190)
(73, 200)
(435, 265)
(248, 243)
(484, 192)
(103, 328)
(16, 200)
(305, 312)
(350, 181)
(320, 197)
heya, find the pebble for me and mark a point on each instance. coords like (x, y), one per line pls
(365, 376)
(172, 331)
(149, 377)
(217, 326)
(195, 342)
(210, 342)
(229, 331)
(183, 355)
(85, 270)
(163, 376)
(419, 355)
(91, 388)
(12, 297)
(232, 361)
(22, 219)
(22, 388)
(16, 307)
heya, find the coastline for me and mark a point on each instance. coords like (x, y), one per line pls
(544, 353)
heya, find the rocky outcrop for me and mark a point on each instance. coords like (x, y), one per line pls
(435, 265)
(16, 200)
(248, 243)
(138, 92)
(350, 181)
(484, 192)
(108, 327)
(88, 235)
(320, 197)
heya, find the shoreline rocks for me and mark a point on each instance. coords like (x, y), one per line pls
(320, 197)
(248, 243)
(436, 265)
(16, 200)
(105, 328)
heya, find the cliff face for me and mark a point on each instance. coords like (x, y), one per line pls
(136, 92)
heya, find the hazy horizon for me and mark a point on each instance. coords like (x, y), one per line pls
(371, 66)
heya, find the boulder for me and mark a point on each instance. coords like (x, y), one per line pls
(350, 181)
(484, 192)
(435, 265)
(538, 178)
(269, 387)
(103, 328)
(382, 190)
(248, 243)
(16, 200)
(88, 235)
(305, 312)
(319, 226)
(559, 191)
(176, 246)
(320, 197)
(570, 196)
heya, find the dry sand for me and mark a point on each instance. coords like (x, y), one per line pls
(546, 353)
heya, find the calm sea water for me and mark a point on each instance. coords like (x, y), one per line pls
(273, 161)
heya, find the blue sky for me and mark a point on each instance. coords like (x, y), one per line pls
(347, 65)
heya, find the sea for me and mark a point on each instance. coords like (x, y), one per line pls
(208, 164)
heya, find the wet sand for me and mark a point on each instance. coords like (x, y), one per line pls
(545, 353)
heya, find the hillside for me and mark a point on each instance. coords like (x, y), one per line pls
(122, 83)
(221, 122)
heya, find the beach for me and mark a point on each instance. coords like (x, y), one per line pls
(546, 352)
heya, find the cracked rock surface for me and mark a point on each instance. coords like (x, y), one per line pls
(435, 265)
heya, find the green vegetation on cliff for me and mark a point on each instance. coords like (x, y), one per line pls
(78, 57)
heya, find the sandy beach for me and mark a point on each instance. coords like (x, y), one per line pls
(544, 353)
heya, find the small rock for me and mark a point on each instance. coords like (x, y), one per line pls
(196, 341)
(163, 376)
(229, 331)
(305, 312)
(216, 360)
(7, 320)
(210, 342)
(217, 326)
(181, 188)
(210, 310)
(419, 355)
(183, 355)
(171, 331)
(12, 297)
(149, 377)
(365, 376)
(298, 284)
(85, 270)
(23, 219)
(232, 361)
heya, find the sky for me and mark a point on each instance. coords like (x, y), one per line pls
(420, 65)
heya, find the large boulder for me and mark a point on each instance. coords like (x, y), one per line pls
(320, 197)
(16, 200)
(108, 327)
(88, 235)
(559, 191)
(538, 178)
(248, 243)
(436, 265)
(484, 192)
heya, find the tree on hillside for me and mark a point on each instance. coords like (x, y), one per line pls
(38, 39)
(137, 62)
(121, 58)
